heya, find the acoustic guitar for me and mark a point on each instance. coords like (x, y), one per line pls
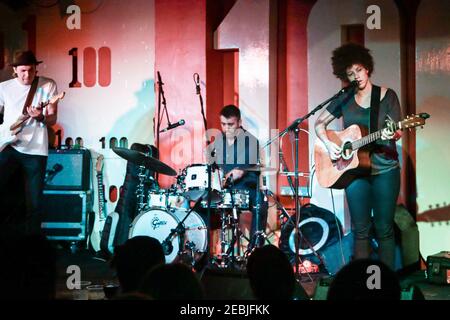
(355, 159)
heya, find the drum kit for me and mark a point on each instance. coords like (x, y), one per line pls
(169, 216)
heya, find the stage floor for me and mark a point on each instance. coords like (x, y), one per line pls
(98, 272)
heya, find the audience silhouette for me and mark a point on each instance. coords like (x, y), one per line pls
(365, 279)
(28, 268)
(270, 274)
(134, 258)
(174, 281)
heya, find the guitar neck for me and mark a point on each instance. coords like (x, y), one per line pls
(101, 196)
(374, 136)
(24, 117)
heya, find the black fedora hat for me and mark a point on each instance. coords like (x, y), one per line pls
(24, 58)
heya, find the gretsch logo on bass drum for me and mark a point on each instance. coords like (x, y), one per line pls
(156, 223)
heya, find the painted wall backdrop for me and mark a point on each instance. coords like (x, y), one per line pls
(106, 68)
(433, 147)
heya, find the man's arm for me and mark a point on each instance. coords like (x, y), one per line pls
(52, 114)
(49, 119)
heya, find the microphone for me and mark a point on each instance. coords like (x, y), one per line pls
(167, 247)
(351, 87)
(229, 181)
(197, 82)
(173, 125)
(50, 174)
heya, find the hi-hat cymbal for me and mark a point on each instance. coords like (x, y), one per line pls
(141, 159)
(258, 168)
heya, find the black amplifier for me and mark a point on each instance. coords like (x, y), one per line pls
(68, 169)
(438, 267)
(65, 214)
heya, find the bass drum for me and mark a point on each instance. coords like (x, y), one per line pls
(157, 223)
(319, 228)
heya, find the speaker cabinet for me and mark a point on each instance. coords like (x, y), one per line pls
(68, 170)
(65, 214)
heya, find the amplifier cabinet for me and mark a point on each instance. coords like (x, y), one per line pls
(65, 214)
(68, 169)
(438, 267)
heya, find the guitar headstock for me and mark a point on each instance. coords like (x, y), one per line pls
(59, 96)
(414, 120)
(99, 164)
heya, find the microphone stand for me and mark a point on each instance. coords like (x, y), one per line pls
(294, 127)
(196, 77)
(197, 88)
(180, 231)
(161, 101)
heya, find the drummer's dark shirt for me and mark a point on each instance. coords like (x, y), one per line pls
(243, 153)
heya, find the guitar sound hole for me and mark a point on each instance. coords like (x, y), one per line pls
(347, 150)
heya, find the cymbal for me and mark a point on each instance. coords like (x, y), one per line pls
(141, 159)
(259, 168)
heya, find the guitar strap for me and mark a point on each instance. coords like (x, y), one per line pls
(374, 108)
(30, 95)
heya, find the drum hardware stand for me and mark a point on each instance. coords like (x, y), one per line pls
(179, 230)
(259, 238)
(230, 256)
(285, 215)
(140, 189)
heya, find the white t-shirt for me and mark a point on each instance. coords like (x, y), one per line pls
(33, 139)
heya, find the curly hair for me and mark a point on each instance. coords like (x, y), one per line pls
(347, 55)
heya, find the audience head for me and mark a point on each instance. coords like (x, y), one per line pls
(365, 279)
(270, 274)
(174, 281)
(134, 258)
(28, 268)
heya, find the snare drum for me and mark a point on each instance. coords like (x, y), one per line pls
(195, 182)
(241, 199)
(158, 223)
(167, 199)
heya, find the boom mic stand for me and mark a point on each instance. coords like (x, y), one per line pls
(294, 127)
(161, 101)
(210, 167)
(198, 92)
(180, 231)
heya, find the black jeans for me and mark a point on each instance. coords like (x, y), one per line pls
(378, 193)
(33, 168)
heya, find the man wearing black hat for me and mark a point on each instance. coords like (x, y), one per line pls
(28, 149)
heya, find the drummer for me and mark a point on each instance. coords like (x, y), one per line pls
(233, 151)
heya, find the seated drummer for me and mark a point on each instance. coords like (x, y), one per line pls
(233, 151)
